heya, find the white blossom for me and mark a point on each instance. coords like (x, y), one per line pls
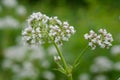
(48, 75)
(9, 3)
(28, 71)
(115, 50)
(9, 22)
(52, 51)
(16, 53)
(21, 10)
(84, 76)
(101, 77)
(101, 64)
(57, 58)
(118, 78)
(22, 61)
(45, 64)
(102, 39)
(117, 66)
(46, 29)
(7, 63)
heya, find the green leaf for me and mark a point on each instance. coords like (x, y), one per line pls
(62, 70)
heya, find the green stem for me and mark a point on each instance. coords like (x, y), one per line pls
(76, 63)
(61, 56)
(68, 73)
(70, 77)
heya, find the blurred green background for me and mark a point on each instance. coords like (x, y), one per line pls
(84, 15)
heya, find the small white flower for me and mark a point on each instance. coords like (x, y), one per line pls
(90, 44)
(52, 50)
(48, 75)
(21, 61)
(102, 39)
(9, 22)
(86, 36)
(92, 32)
(65, 38)
(21, 10)
(57, 58)
(9, 3)
(118, 78)
(103, 31)
(84, 76)
(101, 77)
(117, 66)
(101, 64)
(115, 50)
(102, 45)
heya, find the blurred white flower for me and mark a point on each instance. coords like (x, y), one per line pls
(19, 53)
(115, 50)
(84, 76)
(101, 64)
(21, 10)
(118, 79)
(45, 64)
(43, 29)
(8, 22)
(7, 64)
(28, 71)
(101, 77)
(16, 53)
(16, 68)
(9, 3)
(22, 61)
(48, 75)
(119, 17)
(37, 53)
(52, 51)
(117, 66)
(103, 39)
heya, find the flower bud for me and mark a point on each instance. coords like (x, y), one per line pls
(57, 58)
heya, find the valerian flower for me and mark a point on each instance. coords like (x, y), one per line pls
(57, 58)
(42, 28)
(102, 39)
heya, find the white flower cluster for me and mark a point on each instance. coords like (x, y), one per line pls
(9, 22)
(101, 77)
(21, 10)
(101, 64)
(9, 3)
(103, 39)
(26, 63)
(42, 28)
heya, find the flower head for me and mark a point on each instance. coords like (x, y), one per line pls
(102, 39)
(42, 28)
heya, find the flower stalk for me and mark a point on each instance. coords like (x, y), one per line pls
(77, 61)
(70, 77)
(61, 56)
(68, 72)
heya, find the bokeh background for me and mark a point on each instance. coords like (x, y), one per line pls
(18, 62)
